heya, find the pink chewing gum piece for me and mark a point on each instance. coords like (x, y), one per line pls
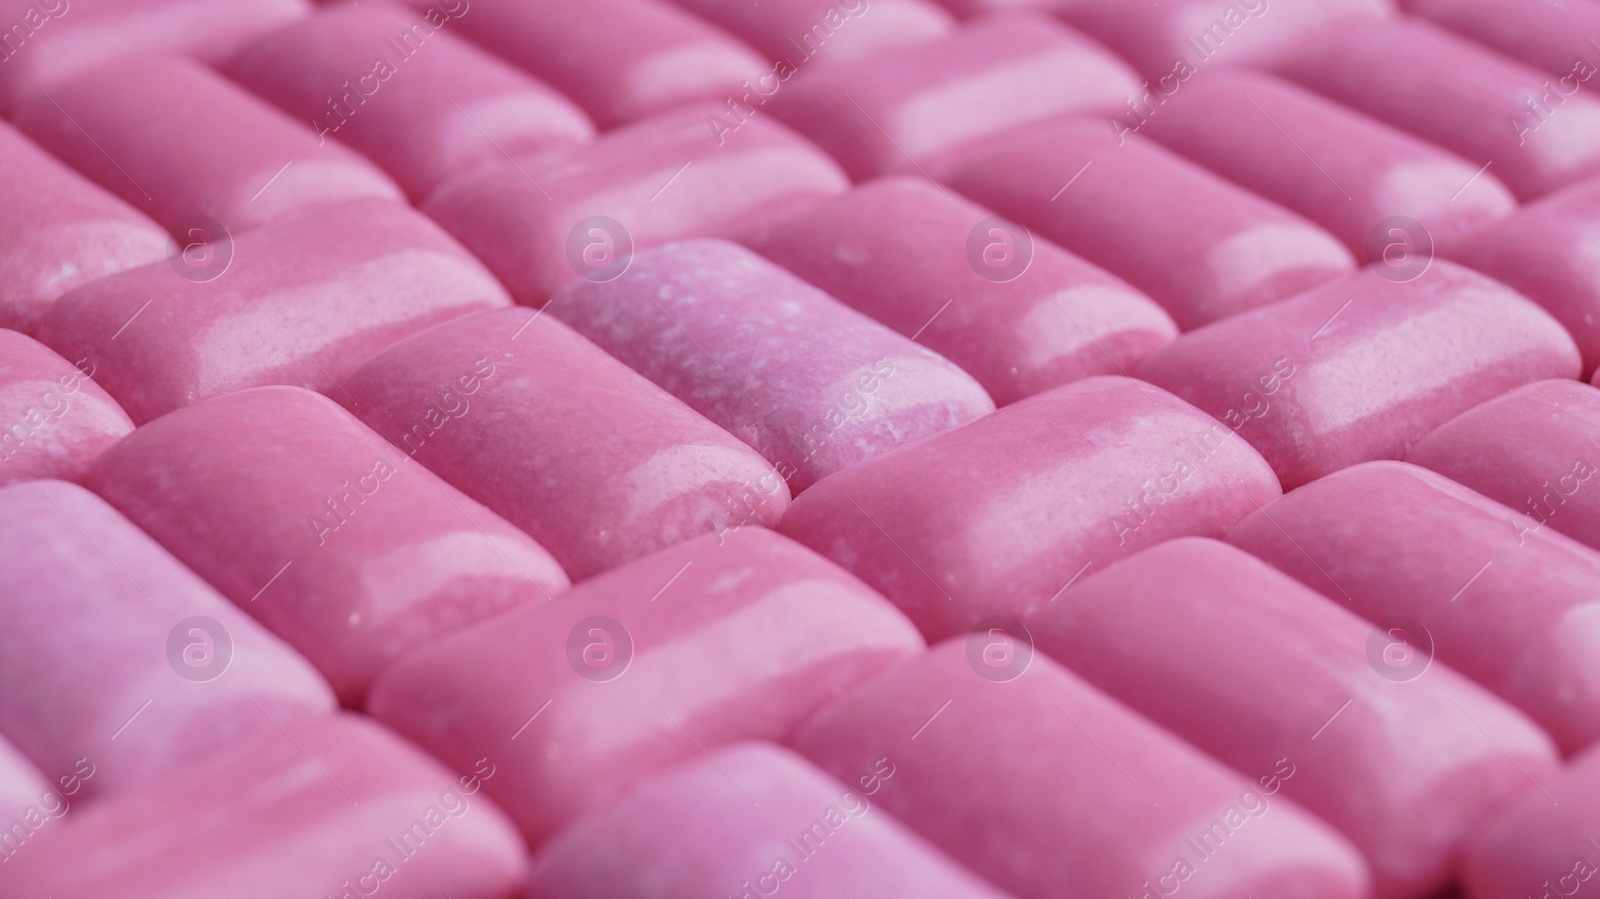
(1362, 368)
(811, 384)
(1076, 789)
(1020, 315)
(187, 147)
(1340, 169)
(917, 108)
(749, 819)
(1513, 606)
(50, 40)
(1537, 135)
(704, 643)
(997, 516)
(795, 33)
(1546, 843)
(337, 807)
(300, 302)
(649, 58)
(321, 529)
(1531, 449)
(662, 475)
(29, 802)
(425, 105)
(1253, 667)
(58, 231)
(1110, 199)
(583, 212)
(115, 652)
(54, 420)
(1549, 251)
(1176, 40)
(1560, 38)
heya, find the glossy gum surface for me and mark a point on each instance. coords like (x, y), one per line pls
(1073, 787)
(997, 516)
(800, 32)
(1549, 36)
(1249, 665)
(704, 643)
(662, 474)
(1513, 606)
(109, 641)
(1544, 843)
(1110, 199)
(321, 529)
(812, 385)
(302, 302)
(54, 420)
(1362, 368)
(900, 249)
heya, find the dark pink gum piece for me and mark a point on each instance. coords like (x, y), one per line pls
(1543, 844)
(1363, 368)
(1531, 449)
(1491, 110)
(1513, 606)
(334, 807)
(809, 383)
(1546, 250)
(115, 652)
(540, 223)
(59, 39)
(647, 666)
(334, 540)
(916, 109)
(57, 231)
(1077, 788)
(799, 33)
(1338, 168)
(421, 102)
(1251, 666)
(749, 819)
(998, 516)
(664, 474)
(54, 420)
(180, 143)
(301, 302)
(649, 58)
(1558, 38)
(1026, 317)
(1109, 198)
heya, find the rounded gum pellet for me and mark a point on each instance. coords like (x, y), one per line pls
(54, 419)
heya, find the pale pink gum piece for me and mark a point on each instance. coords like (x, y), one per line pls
(1532, 449)
(901, 250)
(918, 108)
(667, 178)
(424, 104)
(748, 819)
(321, 529)
(101, 659)
(62, 38)
(1336, 167)
(1363, 368)
(1550, 252)
(660, 474)
(809, 383)
(54, 420)
(621, 60)
(178, 141)
(1252, 667)
(1543, 845)
(1548, 36)
(995, 517)
(1041, 781)
(301, 302)
(1513, 606)
(330, 807)
(1461, 96)
(58, 230)
(29, 802)
(1159, 38)
(799, 33)
(711, 641)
